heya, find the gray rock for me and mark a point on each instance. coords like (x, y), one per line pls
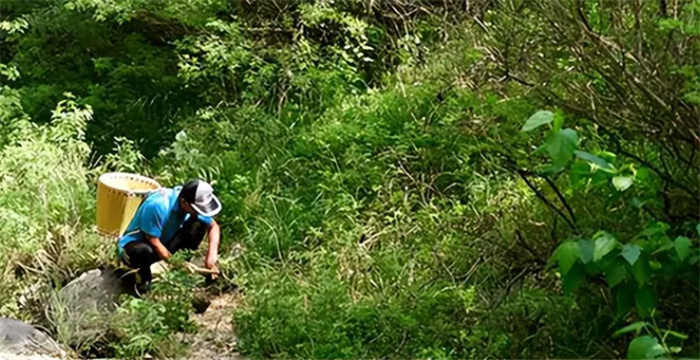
(21, 339)
(82, 310)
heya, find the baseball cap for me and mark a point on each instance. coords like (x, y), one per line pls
(200, 195)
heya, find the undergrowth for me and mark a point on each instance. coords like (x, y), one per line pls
(508, 179)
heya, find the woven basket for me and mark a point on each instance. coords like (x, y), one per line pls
(118, 197)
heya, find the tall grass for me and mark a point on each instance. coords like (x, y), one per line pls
(46, 203)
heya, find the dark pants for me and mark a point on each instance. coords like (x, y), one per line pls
(141, 254)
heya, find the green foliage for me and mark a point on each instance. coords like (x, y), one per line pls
(382, 196)
(44, 196)
(650, 347)
(147, 325)
(538, 119)
(340, 319)
(644, 347)
(633, 267)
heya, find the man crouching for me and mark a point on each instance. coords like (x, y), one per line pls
(170, 219)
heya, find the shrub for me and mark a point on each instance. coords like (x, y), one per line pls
(45, 201)
(148, 325)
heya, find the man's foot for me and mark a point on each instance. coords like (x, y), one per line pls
(142, 289)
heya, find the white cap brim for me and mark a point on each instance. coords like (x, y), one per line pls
(209, 209)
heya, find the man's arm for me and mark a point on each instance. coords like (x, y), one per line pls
(158, 246)
(213, 253)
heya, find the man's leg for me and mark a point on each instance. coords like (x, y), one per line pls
(188, 237)
(140, 255)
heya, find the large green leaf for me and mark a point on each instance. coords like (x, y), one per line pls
(645, 347)
(631, 253)
(622, 183)
(682, 245)
(540, 118)
(641, 271)
(604, 244)
(599, 162)
(645, 301)
(566, 255)
(558, 121)
(561, 146)
(615, 272)
(579, 173)
(585, 248)
(624, 299)
(631, 327)
(574, 278)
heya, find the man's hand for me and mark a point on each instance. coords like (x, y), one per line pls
(162, 251)
(211, 260)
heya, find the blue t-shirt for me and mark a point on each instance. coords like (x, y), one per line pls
(159, 216)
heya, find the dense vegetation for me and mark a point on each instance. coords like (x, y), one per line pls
(460, 179)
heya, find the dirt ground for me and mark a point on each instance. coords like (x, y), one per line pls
(216, 337)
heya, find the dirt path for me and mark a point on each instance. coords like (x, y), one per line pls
(216, 337)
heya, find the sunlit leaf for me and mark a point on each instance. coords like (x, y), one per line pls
(181, 136)
(622, 183)
(644, 347)
(604, 244)
(540, 118)
(631, 253)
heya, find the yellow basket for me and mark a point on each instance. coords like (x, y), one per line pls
(118, 197)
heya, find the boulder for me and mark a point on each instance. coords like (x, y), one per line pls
(82, 310)
(21, 339)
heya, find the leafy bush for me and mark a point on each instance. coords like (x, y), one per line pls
(373, 170)
(633, 269)
(45, 200)
(148, 325)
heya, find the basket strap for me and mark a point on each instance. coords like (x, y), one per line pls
(132, 232)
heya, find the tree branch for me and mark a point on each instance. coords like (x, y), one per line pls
(561, 197)
(538, 193)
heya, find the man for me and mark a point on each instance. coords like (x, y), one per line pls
(169, 220)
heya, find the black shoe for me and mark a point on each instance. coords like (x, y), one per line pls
(142, 289)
